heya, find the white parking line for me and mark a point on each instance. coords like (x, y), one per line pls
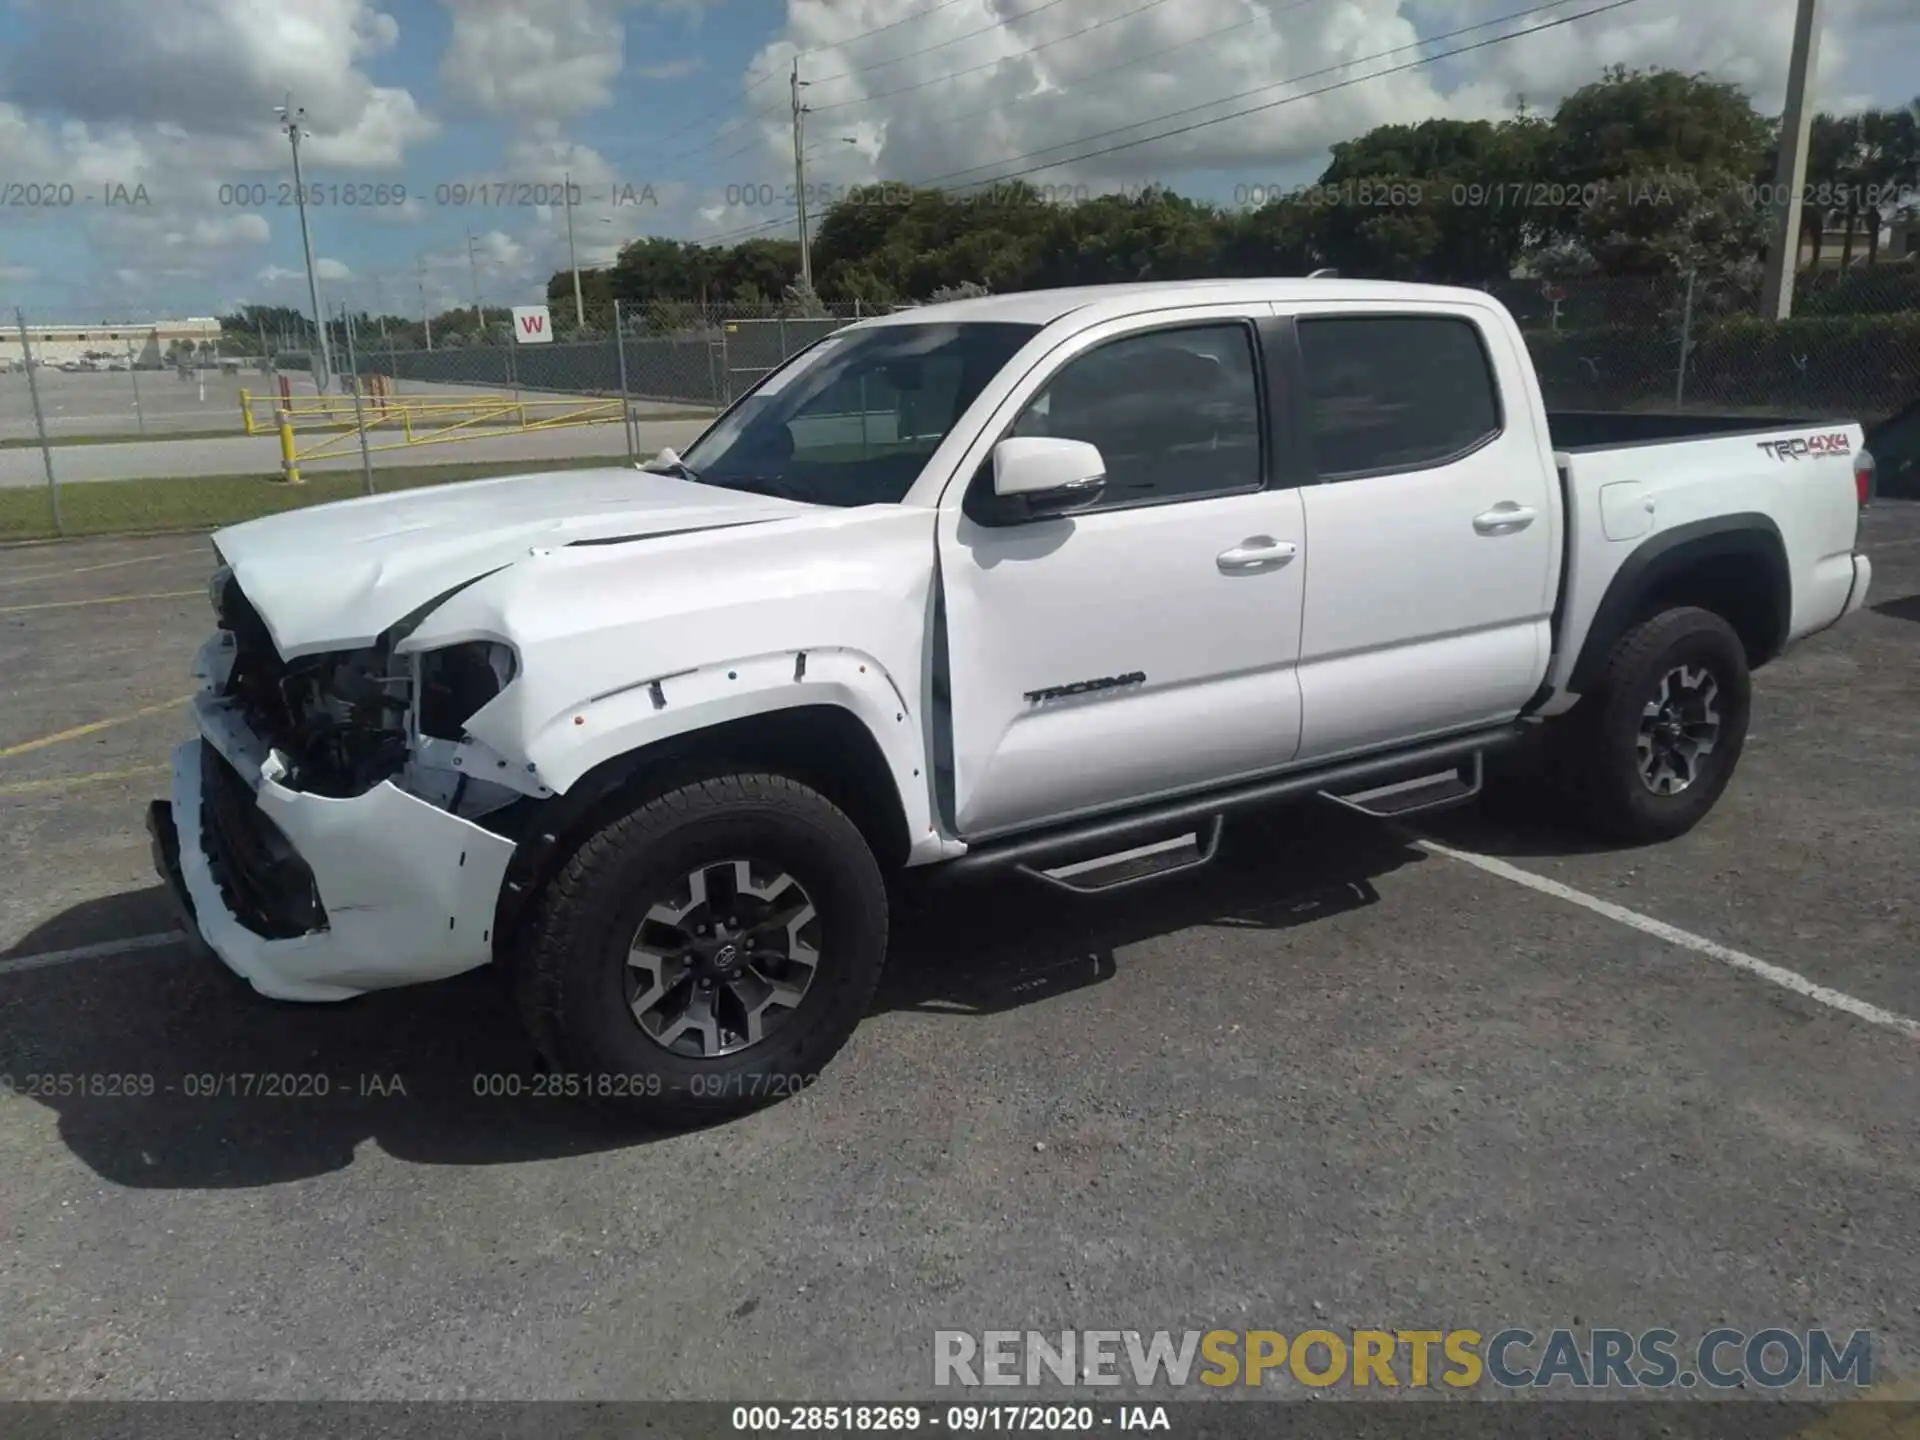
(62, 573)
(105, 948)
(1673, 935)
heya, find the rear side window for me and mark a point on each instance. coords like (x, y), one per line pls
(1395, 392)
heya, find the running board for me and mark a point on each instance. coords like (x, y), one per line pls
(1160, 859)
(1061, 855)
(1423, 793)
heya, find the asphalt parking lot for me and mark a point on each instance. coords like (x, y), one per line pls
(124, 402)
(1346, 1079)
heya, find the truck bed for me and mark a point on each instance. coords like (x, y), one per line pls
(1576, 430)
(1657, 480)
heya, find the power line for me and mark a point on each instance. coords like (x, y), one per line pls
(701, 119)
(1276, 84)
(941, 44)
(1253, 109)
(882, 29)
(989, 64)
(772, 112)
(1157, 53)
(771, 75)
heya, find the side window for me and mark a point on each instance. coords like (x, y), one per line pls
(1174, 412)
(1394, 392)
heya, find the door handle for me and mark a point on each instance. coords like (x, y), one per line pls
(1506, 518)
(1257, 552)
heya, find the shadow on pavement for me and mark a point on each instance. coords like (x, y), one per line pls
(146, 1057)
(1907, 607)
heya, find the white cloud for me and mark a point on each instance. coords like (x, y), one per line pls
(1029, 84)
(533, 59)
(175, 102)
(218, 231)
(670, 69)
(212, 66)
(329, 269)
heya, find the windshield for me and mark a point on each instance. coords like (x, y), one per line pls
(852, 420)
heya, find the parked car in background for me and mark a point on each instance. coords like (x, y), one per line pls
(1020, 584)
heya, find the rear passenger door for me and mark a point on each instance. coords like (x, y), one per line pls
(1432, 526)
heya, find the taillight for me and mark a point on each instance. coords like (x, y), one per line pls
(1863, 470)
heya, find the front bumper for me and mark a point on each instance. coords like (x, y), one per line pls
(405, 891)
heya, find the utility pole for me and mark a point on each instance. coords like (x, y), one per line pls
(426, 315)
(380, 302)
(800, 174)
(293, 120)
(573, 257)
(473, 266)
(1790, 175)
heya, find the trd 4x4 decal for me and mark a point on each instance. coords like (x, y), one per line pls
(1802, 446)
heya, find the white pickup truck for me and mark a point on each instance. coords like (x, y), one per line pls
(1013, 583)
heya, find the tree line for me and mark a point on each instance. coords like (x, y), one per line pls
(1641, 173)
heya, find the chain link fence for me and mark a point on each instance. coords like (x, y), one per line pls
(1645, 344)
(1687, 343)
(665, 354)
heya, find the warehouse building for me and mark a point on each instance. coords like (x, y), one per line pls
(150, 341)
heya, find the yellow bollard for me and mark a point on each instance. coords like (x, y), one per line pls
(289, 467)
(246, 412)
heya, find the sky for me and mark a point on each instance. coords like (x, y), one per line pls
(146, 173)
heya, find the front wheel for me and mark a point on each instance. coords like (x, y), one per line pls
(1648, 752)
(706, 953)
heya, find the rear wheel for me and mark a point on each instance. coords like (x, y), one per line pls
(1646, 754)
(706, 953)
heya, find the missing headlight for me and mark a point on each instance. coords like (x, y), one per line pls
(456, 681)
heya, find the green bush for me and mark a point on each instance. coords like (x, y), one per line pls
(1859, 366)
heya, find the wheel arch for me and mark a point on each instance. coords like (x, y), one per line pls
(822, 744)
(1732, 565)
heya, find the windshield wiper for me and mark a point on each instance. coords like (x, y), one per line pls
(675, 466)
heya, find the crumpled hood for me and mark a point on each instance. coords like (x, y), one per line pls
(335, 576)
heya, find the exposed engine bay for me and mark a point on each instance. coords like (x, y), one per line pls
(344, 721)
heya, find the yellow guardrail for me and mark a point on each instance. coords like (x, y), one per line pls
(418, 419)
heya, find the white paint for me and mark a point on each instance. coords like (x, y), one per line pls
(1414, 605)
(334, 576)
(532, 325)
(1673, 935)
(409, 889)
(1429, 594)
(157, 941)
(1811, 500)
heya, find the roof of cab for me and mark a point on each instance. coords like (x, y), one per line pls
(1043, 307)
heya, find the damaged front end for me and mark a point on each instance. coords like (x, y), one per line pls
(342, 721)
(325, 832)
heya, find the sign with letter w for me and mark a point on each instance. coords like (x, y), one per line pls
(531, 325)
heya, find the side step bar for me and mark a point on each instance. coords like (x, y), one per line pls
(1358, 784)
(1439, 791)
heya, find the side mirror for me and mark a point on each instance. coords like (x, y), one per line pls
(1040, 475)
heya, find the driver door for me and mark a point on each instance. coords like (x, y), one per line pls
(1144, 645)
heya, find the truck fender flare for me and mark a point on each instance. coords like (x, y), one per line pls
(1662, 558)
(590, 762)
(583, 736)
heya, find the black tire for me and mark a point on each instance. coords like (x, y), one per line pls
(1594, 750)
(570, 968)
